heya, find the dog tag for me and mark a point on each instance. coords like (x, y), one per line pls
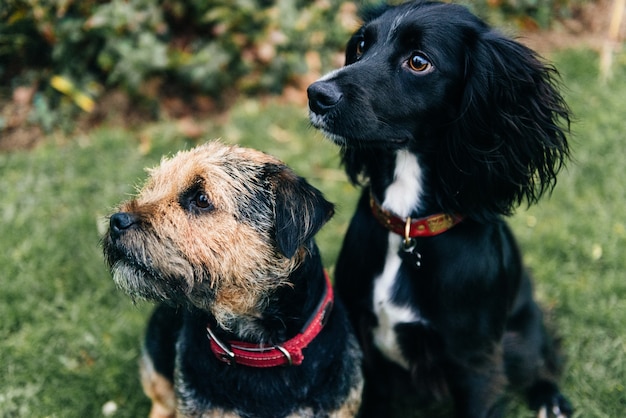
(408, 250)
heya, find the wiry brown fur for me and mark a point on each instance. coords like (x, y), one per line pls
(222, 237)
(183, 249)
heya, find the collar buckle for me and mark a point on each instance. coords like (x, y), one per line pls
(285, 353)
(409, 243)
(227, 355)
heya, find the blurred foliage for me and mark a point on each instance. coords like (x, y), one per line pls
(206, 47)
(525, 14)
(72, 51)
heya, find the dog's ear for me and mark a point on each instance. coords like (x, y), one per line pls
(300, 210)
(509, 139)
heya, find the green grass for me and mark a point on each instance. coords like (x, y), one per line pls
(69, 340)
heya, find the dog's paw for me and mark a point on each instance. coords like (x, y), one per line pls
(556, 407)
(545, 398)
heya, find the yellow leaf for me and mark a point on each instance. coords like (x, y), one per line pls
(62, 84)
(84, 102)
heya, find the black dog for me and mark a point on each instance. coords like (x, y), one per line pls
(223, 238)
(452, 125)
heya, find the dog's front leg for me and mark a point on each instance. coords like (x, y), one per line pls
(476, 384)
(157, 361)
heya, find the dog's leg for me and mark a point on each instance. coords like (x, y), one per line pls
(531, 357)
(477, 387)
(350, 407)
(387, 389)
(159, 389)
(157, 361)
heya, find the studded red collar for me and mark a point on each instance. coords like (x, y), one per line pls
(413, 228)
(288, 353)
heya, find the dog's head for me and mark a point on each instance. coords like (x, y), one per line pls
(481, 111)
(218, 227)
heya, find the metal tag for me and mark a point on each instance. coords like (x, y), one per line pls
(408, 248)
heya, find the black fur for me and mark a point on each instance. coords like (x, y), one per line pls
(299, 210)
(486, 125)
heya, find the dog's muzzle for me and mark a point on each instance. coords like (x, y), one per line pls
(323, 96)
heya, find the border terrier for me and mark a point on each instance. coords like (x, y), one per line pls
(221, 237)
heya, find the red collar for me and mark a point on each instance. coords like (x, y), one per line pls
(412, 228)
(289, 353)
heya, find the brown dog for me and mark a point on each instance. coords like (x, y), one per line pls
(222, 237)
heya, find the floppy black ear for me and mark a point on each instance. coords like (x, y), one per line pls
(300, 210)
(509, 139)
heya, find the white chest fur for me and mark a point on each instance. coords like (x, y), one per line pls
(401, 197)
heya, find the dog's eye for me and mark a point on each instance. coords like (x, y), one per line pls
(419, 63)
(201, 201)
(360, 48)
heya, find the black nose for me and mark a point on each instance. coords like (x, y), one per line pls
(323, 96)
(121, 222)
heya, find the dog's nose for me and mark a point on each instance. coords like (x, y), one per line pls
(120, 222)
(323, 96)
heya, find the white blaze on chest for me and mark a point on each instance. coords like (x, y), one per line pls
(401, 197)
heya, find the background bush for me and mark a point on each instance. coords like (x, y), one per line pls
(73, 50)
(205, 47)
(526, 14)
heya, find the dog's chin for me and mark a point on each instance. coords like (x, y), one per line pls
(135, 282)
(354, 141)
(319, 122)
(336, 139)
(360, 140)
(140, 284)
(366, 143)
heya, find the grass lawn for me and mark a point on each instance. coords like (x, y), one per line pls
(69, 340)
